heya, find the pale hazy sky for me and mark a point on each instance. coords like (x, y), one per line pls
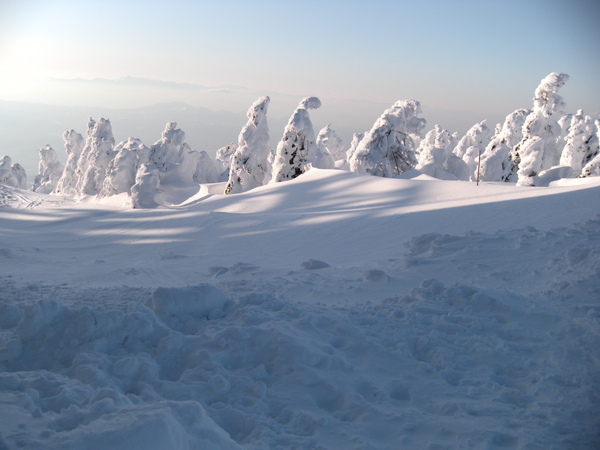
(483, 57)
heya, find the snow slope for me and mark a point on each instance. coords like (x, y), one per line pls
(336, 310)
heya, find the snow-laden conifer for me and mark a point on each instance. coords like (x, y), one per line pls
(146, 187)
(435, 157)
(540, 146)
(495, 159)
(12, 174)
(50, 171)
(20, 175)
(168, 150)
(74, 144)
(470, 147)
(95, 157)
(206, 171)
(581, 144)
(388, 149)
(334, 144)
(223, 160)
(249, 165)
(121, 171)
(297, 147)
(329, 143)
(592, 168)
(177, 163)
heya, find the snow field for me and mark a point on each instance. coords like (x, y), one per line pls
(332, 311)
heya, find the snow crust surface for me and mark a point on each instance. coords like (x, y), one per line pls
(336, 310)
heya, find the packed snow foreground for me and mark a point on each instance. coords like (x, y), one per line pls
(334, 310)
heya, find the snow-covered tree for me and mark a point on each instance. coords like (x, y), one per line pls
(20, 175)
(12, 174)
(297, 147)
(95, 157)
(592, 168)
(388, 149)
(74, 144)
(328, 141)
(540, 147)
(356, 138)
(146, 187)
(581, 143)
(249, 166)
(470, 146)
(435, 157)
(168, 150)
(495, 159)
(49, 171)
(329, 149)
(207, 170)
(122, 169)
(223, 160)
(176, 162)
(565, 126)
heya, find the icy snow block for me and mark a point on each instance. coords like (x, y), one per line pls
(198, 302)
(314, 264)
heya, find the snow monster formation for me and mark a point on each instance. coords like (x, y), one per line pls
(249, 164)
(95, 157)
(540, 148)
(330, 147)
(496, 164)
(297, 148)
(74, 144)
(581, 142)
(435, 157)
(49, 171)
(388, 149)
(12, 174)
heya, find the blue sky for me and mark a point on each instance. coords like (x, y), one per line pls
(461, 59)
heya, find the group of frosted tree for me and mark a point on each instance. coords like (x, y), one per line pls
(531, 145)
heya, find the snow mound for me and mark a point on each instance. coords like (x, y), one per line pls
(181, 308)
(265, 373)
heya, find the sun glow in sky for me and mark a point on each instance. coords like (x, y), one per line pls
(358, 57)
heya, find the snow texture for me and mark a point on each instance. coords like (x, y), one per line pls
(49, 171)
(249, 164)
(388, 149)
(297, 148)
